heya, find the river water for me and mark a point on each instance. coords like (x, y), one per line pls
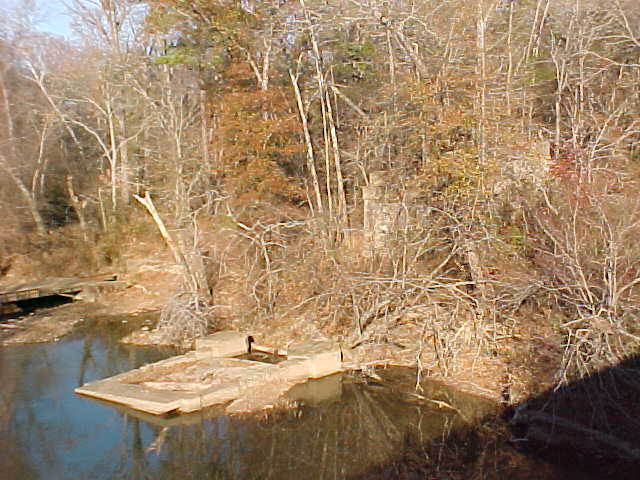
(344, 426)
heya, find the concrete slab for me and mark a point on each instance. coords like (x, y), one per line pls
(134, 396)
(298, 369)
(215, 395)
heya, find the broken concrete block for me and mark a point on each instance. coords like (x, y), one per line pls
(325, 358)
(222, 344)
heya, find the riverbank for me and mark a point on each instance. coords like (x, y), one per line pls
(363, 417)
(504, 360)
(512, 379)
(506, 377)
(147, 285)
(505, 366)
(54, 323)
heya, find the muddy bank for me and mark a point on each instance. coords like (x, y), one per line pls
(43, 327)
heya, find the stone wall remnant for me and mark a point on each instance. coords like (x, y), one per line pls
(384, 213)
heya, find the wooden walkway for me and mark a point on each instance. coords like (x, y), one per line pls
(53, 286)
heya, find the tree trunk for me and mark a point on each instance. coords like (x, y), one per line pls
(204, 132)
(342, 198)
(307, 139)
(321, 91)
(113, 155)
(125, 181)
(78, 207)
(29, 197)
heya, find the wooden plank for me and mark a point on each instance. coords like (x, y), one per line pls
(270, 350)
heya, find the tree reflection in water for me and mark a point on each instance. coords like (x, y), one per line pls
(368, 430)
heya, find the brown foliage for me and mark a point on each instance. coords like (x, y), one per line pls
(260, 141)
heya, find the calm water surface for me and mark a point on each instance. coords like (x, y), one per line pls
(345, 426)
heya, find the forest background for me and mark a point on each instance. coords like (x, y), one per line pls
(240, 135)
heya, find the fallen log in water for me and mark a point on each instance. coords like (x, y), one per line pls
(555, 431)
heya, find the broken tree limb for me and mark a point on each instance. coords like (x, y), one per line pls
(349, 102)
(192, 265)
(177, 253)
(151, 208)
(78, 206)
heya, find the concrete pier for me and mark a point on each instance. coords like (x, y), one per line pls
(207, 377)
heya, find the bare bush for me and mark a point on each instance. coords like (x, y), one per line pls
(592, 267)
(184, 318)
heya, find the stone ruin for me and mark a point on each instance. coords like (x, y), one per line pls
(385, 214)
(391, 209)
(210, 375)
(529, 164)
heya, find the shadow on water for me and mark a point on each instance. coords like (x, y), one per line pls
(592, 424)
(587, 429)
(342, 427)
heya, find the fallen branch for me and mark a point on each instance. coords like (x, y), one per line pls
(194, 270)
